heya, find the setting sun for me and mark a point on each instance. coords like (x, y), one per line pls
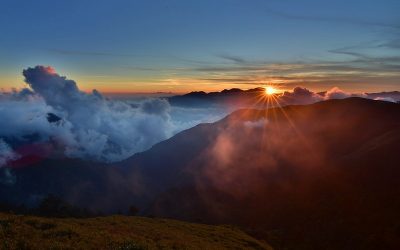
(270, 90)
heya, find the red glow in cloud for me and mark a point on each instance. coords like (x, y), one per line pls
(50, 70)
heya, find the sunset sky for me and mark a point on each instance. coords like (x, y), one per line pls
(181, 46)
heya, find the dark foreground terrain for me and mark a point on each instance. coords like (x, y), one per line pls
(118, 232)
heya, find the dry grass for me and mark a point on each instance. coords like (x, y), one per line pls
(118, 232)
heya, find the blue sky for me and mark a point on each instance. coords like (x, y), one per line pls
(178, 46)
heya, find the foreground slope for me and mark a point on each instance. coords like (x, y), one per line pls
(118, 232)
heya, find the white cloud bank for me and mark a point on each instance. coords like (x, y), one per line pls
(301, 95)
(91, 125)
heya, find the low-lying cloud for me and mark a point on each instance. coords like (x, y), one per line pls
(82, 125)
(6, 153)
(301, 95)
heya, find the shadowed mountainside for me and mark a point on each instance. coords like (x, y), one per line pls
(303, 177)
(316, 175)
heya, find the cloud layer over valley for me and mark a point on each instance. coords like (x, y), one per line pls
(54, 117)
(54, 111)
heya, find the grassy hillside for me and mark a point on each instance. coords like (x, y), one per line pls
(118, 232)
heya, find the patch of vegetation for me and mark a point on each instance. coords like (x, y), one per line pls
(39, 225)
(54, 207)
(126, 245)
(64, 233)
(118, 233)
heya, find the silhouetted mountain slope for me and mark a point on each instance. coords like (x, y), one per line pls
(248, 98)
(95, 186)
(235, 96)
(338, 126)
(320, 176)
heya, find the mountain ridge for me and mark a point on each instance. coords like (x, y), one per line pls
(281, 172)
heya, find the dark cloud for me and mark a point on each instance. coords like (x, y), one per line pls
(6, 153)
(392, 44)
(235, 59)
(300, 95)
(7, 178)
(364, 58)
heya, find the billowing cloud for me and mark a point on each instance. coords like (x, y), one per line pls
(336, 93)
(91, 126)
(300, 95)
